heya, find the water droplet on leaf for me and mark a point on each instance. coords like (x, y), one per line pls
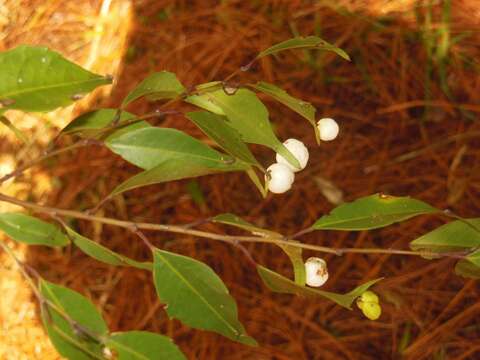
(76, 97)
(230, 90)
(247, 67)
(228, 160)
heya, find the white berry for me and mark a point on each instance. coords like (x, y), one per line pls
(299, 150)
(328, 129)
(280, 178)
(316, 272)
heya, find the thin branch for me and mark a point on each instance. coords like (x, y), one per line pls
(143, 237)
(23, 271)
(18, 171)
(233, 240)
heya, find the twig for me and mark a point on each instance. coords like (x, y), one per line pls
(18, 171)
(213, 236)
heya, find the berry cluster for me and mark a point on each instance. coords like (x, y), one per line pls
(280, 176)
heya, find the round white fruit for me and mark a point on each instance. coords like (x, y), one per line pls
(299, 150)
(316, 272)
(280, 178)
(328, 129)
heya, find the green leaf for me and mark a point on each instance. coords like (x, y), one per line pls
(209, 86)
(195, 295)
(249, 117)
(470, 266)
(309, 42)
(217, 128)
(205, 102)
(302, 108)
(94, 123)
(37, 79)
(174, 169)
(294, 253)
(103, 254)
(280, 284)
(455, 235)
(143, 345)
(72, 343)
(32, 231)
(152, 146)
(159, 85)
(372, 212)
(196, 193)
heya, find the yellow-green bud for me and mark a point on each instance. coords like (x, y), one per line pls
(368, 302)
(369, 296)
(371, 310)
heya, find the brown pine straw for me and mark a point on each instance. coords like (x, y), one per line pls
(393, 140)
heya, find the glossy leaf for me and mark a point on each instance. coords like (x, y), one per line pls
(195, 295)
(217, 128)
(294, 253)
(32, 231)
(103, 254)
(301, 107)
(280, 284)
(372, 212)
(159, 85)
(174, 169)
(453, 236)
(38, 79)
(72, 343)
(470, 266)
(300, 42)
(152, 146)
(95, 123)
(143, 345)
(249, 117)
